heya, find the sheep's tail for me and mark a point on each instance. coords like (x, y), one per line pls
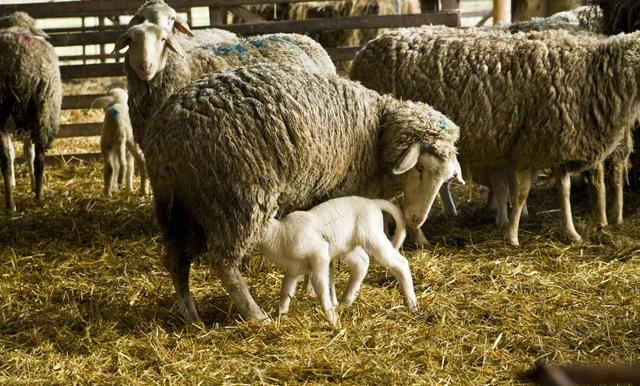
(398, 217)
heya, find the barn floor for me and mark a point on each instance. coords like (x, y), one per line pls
(84, 300)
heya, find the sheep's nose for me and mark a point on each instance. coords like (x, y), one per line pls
(146, 67)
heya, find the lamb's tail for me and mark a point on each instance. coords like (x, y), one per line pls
(398, 217)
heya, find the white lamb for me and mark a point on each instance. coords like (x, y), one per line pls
(117, 145)
(308, 241)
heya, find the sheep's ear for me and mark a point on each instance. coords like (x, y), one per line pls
(409, 159)
(122, 42)
(39, 32)
(182, 26)
(135, 20)
(174, 46)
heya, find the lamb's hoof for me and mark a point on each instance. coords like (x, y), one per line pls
(513, 241)
(575, 238)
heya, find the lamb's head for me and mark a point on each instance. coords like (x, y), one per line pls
(160, 13)
(148, 48)
(115, 96)
(419, 150)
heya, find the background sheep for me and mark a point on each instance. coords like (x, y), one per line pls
(157, 65)
(505, 90)
(293, 138)
(117, 145)
(307, 241)
(30, 100)
(19, 21)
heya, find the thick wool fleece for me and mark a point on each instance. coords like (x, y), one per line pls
(537, 99)
(146, 97)
(30, 86)
(230, 150)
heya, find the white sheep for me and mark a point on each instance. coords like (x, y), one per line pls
(30, 101)
(159, 63)
(306, 242)
(234, 147)
(117, 145)
(533, 100)
(160, 13)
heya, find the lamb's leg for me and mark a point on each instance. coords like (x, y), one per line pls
(597, 194)
(179, 264)
(320, 280)
(5, 159)
(107, 174)
(448, 205)
(522, 181)
(29, 153)
(38, 171)
(619, 171)
(116, 167)
(381, 249)
(563, 182)
(122, 164)
(289, 283)
(358, 262)
(237, 288)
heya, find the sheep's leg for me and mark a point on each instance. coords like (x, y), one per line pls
(289, 283)
(38, 171)
(320, 280)
(130, 168)
(417, 236)
(448, 205)
(381, 249)
(358, 262)
(563, 183)
(522, 181)
(12, 159)
(139, 159)
(5, 159)
(116, 167)
(29, 153)
(619, 171)
(179, 265)
(500, 197)
(597, 194)
(237, 288)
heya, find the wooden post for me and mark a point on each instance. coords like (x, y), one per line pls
(501, 11)
(429, 5)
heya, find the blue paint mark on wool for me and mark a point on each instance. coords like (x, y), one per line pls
(261, 43)
(443, 124)
(113, 111)
(228, 49)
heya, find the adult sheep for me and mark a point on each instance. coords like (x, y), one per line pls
(230, 151)
(530, 100)
(30, 100)
(156, 63)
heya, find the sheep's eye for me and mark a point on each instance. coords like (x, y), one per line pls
(163, 39)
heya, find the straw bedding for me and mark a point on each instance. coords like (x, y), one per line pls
(85, 300)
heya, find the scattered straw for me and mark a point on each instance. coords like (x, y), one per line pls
(84, 299)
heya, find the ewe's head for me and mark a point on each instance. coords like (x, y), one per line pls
(160, 13)
(148, 49)
(421, 154)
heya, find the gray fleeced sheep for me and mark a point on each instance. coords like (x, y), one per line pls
(230, 150)
(30, 101)
(350, 228)
(159, 63)
(531, 100)
(119, 150)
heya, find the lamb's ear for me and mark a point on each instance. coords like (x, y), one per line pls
(174, 46)
(182, 26)
(135, 20)
(122, 42)
(409, 159)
